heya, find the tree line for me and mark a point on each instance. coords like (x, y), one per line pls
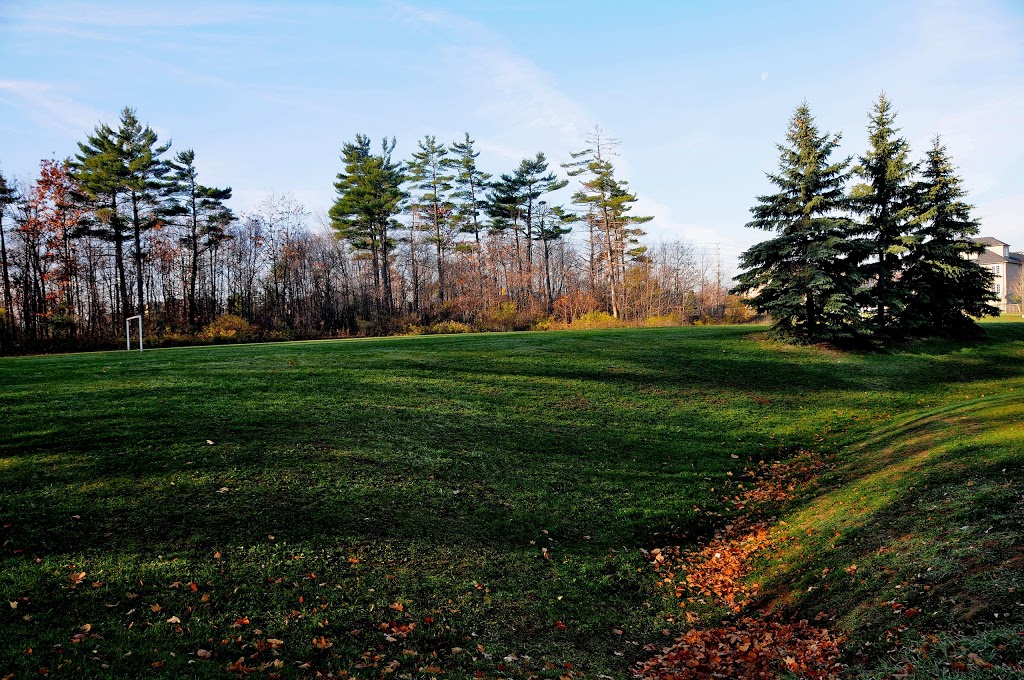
(875, 250)
(433, 243)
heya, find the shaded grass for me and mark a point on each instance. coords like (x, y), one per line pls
(429, 473)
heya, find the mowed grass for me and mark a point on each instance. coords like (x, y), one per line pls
(467, 504)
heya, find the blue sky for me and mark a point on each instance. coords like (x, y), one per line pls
(697, 92)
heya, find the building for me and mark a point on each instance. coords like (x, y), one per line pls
(1006, 267)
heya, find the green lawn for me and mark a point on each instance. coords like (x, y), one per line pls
(457, 503)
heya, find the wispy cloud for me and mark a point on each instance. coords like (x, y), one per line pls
(513, 92)
(49, 106)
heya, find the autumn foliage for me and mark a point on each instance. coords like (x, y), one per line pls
(759, 645)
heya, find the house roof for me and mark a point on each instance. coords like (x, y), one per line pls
(988, 257)
(989, 241)
(1017, 257)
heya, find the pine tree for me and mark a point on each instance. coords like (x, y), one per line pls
(203, 211)
(553, 223)
(505, 207)
(533, 180)
(8, 196)
(887, 201)
(606, 201)
(942, 287)
(470, 184)
(805, 277)
(143, 172)
(427, 173)
(369, 195)
(100, 176)
(120, 171)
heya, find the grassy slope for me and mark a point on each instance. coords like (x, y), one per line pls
(444, 465)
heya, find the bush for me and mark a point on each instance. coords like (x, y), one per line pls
(228, 328)
(447, 327)
(546, 323)
(595, 320)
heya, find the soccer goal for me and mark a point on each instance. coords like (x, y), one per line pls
(128, 331)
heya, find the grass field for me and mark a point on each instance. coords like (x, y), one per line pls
(477, 505)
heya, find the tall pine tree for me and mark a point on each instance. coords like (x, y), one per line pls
(427, 172)
(806, 277)
(606, 201)
(942, 287)
(202, 212)
(470, 186)
(143, 172)
(887, 200)
(369, 196)
(100, 176)
(8, 196)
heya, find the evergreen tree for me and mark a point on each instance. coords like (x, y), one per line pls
(470, 184)
(120, 171)
(887, 201)
(8, 196)
(942, 287)
(553, 223)
(533, 180)
(100, 175)
(805, 277)
(606, 201)
(143, 172)
(505, 206)
(203, 211)
(427, 173)
(369, 195)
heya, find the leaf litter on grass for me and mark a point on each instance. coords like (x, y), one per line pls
(759, 645)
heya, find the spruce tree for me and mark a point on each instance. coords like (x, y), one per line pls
(943, 288)
(887, 201)
(805, 277)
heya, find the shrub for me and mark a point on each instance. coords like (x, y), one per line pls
(661, 321)
(447, 327)
(595, 320)
(228, 328)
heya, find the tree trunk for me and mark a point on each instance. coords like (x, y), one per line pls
(137, 232)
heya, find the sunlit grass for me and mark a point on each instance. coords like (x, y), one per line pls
(344, 478)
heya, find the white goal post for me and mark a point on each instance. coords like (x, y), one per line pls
(128, 331)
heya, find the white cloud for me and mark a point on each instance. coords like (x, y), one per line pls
(48, 105)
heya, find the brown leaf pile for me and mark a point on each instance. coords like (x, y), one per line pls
(752, 648)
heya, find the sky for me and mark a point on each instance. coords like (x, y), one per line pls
(698, 93)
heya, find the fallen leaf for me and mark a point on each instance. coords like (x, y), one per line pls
(204, 653)
(174, 619)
